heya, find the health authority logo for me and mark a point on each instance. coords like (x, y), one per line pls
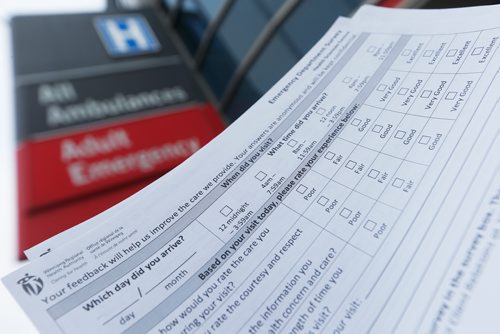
(32, 285)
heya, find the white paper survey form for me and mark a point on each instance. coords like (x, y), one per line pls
(361, 193)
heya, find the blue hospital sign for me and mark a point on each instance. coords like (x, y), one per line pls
(126, 35)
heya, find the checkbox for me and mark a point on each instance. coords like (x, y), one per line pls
(226, 211)
(292, 142)
(370, 225)
(347, 80)
(426, 93)
(403, 91)
(329, 155)
(377, 128)
(373, 173)
(406, 52)
(356, 122)
(322, 201)
(345, 213)
(301, 189)
(452, 53)
(320, 111)
(372, 49)
(398, 183)
(382, 87)
(350, 164)
(260, 176)
(428, 53)
(477, 51)
(424, 140)
(400, 134)
(451, 95)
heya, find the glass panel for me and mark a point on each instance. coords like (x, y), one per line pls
(308, 22)
(193, 19)
(242, 25)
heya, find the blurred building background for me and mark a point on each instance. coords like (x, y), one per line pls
(241, 48)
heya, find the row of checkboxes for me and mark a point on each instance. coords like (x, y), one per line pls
(373, 173)
(344, 213)
(451, 53)
(400, 134)
(368, 225)
(397, 182)
(475, 52)
(425, 94)
(323, 201)
(424, 140)
(301, 189)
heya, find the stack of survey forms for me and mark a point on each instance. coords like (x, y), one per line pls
(360, 194)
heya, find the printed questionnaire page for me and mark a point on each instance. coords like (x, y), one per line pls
(341, 186)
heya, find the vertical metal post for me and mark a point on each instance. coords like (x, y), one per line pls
(208, 36)
(255, 50)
